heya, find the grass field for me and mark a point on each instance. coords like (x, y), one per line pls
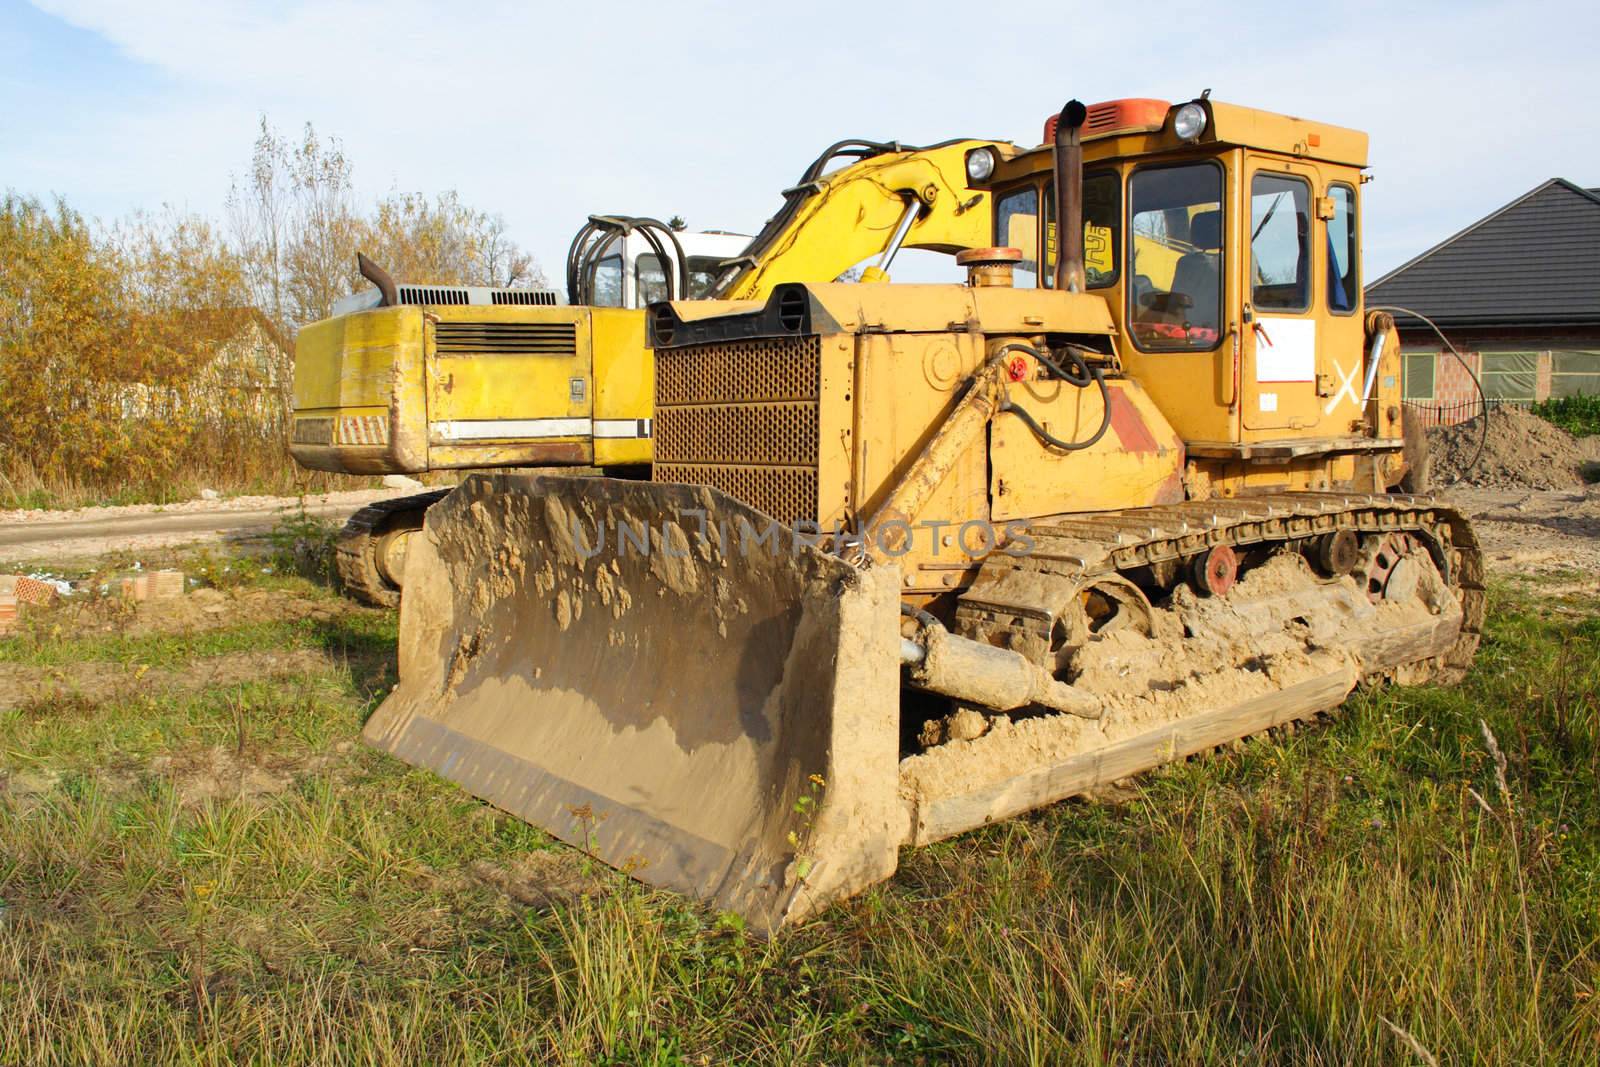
(199, 864)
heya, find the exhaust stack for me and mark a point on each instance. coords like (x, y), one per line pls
(1069, 198)
(389, 295)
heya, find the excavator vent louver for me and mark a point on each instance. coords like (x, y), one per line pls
(534, 297)
(416, 294)
(717, 407)
(507, 338)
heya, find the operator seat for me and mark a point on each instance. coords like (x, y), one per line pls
(1197, 275)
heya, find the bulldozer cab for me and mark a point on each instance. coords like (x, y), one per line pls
(1225, 241)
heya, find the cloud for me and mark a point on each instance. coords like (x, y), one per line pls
(548, 113)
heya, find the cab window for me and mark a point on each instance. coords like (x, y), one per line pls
(608, 282)
(703, 272)
(1344, 285)
(1280, 245)
(1102, 228)
(1175, 257)
(649, 279)
(1016, 225)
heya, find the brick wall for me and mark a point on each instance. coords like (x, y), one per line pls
(1455, 398)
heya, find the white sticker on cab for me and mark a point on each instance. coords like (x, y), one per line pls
(1269, 401)
(1286, 350)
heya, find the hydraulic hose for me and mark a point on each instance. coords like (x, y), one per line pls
(1081, 376)
(601, 232)
(1483, 401)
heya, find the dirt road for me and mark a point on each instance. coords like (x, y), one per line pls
(1551, 534)
(69, 536)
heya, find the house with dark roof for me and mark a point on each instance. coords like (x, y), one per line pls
(1518, 295)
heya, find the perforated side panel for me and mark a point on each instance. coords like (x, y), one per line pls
(741, 416)
(737, 372)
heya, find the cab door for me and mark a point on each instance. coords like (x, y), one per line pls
(1284, 336)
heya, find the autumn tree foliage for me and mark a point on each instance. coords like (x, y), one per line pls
(154, 354)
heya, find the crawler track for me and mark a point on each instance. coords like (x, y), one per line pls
(1186, 704)
(355, 555)
(1021, 593)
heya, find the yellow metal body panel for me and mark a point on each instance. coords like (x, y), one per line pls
(359, 405)
(900, 391)
(624, 384)
(1137, 463)
(469, 381)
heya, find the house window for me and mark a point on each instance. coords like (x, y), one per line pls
(1509, 376)
(1419, 372)
(1575, 374)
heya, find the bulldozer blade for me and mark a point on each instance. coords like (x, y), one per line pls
(659, 675)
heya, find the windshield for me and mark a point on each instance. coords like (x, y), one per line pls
(1102, 225)
(1016, 225)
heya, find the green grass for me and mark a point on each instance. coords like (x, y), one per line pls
(1324, 897)
(369, 634)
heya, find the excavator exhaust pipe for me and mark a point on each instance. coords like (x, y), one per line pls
(388, 294)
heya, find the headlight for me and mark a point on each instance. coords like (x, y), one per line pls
(980, 165)
(1188, 122)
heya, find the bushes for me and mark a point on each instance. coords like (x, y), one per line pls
(1578, 415)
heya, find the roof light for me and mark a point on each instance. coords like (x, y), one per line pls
(1189, 121)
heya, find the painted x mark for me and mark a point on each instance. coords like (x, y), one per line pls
(1347, 384)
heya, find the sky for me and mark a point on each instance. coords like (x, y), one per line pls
(546, 113)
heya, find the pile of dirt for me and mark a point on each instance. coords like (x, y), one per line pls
(1520, 451)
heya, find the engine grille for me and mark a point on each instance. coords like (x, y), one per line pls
(464, 295)
(742, 417)
(507, 338)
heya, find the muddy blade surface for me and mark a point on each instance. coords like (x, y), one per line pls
(580, 653)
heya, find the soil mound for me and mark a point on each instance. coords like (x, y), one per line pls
(1521, 451)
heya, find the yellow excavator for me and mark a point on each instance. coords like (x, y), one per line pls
(918, 558)
(406, 379)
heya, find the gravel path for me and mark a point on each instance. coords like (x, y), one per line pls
(84, 533)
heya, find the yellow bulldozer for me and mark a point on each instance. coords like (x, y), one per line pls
(407, 379)
(917, 558)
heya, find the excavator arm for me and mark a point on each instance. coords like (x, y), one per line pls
(830, 222)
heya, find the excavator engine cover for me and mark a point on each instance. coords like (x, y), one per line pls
(649, 671)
